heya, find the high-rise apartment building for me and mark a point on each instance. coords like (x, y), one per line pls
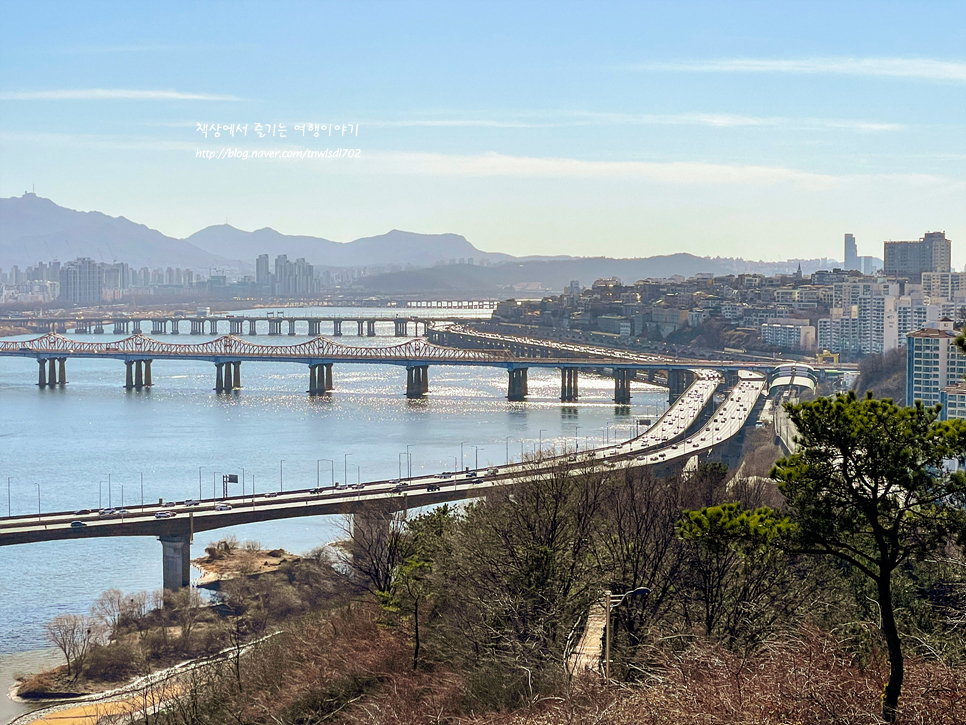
(933, 362)
(81, 282)
(932, 253)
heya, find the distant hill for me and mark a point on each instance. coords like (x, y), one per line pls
(395, 247)
(34, 229)
(536, 275)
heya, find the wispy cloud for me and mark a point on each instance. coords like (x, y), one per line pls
(563, 119)
(920, 68)
(112, 94)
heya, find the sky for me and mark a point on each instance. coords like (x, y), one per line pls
(765, 130)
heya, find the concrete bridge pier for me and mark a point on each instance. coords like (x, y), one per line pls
(219, 377)
(99, 327)
(417, 381)
(325, 375)
(622, 386)
(361, 325)
(401, 328)
(315, 328)
(147, 374)
(236, 327)
(174, 327)
(120, 327)
(82, 327)
(677, 382)
(42, 375)
(213, 326)
(517, 388)
(336, 328)
(176, 561)
(568, 385)
(138, 374)
(314, 379)
(229, 383)
(159, 327)
(128, 374)
(236, 378)
(62, 370)
(251, 327)
(197, 327)
(291, 327)
(137, 327)
(274, 327)
(731, 378)
(370, 328)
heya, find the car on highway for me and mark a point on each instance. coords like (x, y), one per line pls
(82, 512)
(271, 494)
(316, 490)
(165, 515)
(122, 512)
(77, 524)
(191, 502)
(223, 507)
(107, 512)
(432, 487)
(169, 504)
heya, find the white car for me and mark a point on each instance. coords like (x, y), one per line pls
(223, 507)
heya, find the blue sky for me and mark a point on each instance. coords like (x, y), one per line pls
(762, 130)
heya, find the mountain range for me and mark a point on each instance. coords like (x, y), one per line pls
(35, 229)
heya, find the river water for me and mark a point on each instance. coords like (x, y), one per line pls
(89, 443)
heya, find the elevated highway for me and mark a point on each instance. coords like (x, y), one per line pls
(680, 434)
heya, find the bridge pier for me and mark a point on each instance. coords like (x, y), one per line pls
(417, 381)
(731, 378)
(136, 329)
(176, 561)
(517, 388)
(174, 327)
(315, 328)
(62, 365)
(568, 385)
(361, 325)
(147, 374)
(236, 327)
(622, 386)
(219, 377)
(159, 327)
(274, 327)
(320, 378)
(120, 327)
(213, 326)
(251, 327)
(128, 374)
(229, 377)
(42, 375)
(336, 328)
(291, 327)
(401, 328)
(236, 378)
(138, 374)
(82, 327)
(677, 382)
(99, 327)
(197, 327)
(370, 328)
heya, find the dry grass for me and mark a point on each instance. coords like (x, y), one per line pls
(796, 681)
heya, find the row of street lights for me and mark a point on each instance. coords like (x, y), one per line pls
(318, 472)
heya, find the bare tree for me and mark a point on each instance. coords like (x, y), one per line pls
(73, 635)
(108, 608)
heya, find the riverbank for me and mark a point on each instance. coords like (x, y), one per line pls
(17, 663)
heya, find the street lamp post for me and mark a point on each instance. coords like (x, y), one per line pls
(399, 464)
(8, 496)
(358, 474)
(332, 467)
(100, 494)
(541, 443)
(409, 461)
(476, 462)
(461, 454)
(110, 499)
(142, 491)
(38, 500)
(576, 439)
(318, 473)
(122, 495)
(280, 487)
(613, 601)
(507, 450)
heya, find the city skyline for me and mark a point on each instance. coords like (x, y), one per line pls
(720, 130)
